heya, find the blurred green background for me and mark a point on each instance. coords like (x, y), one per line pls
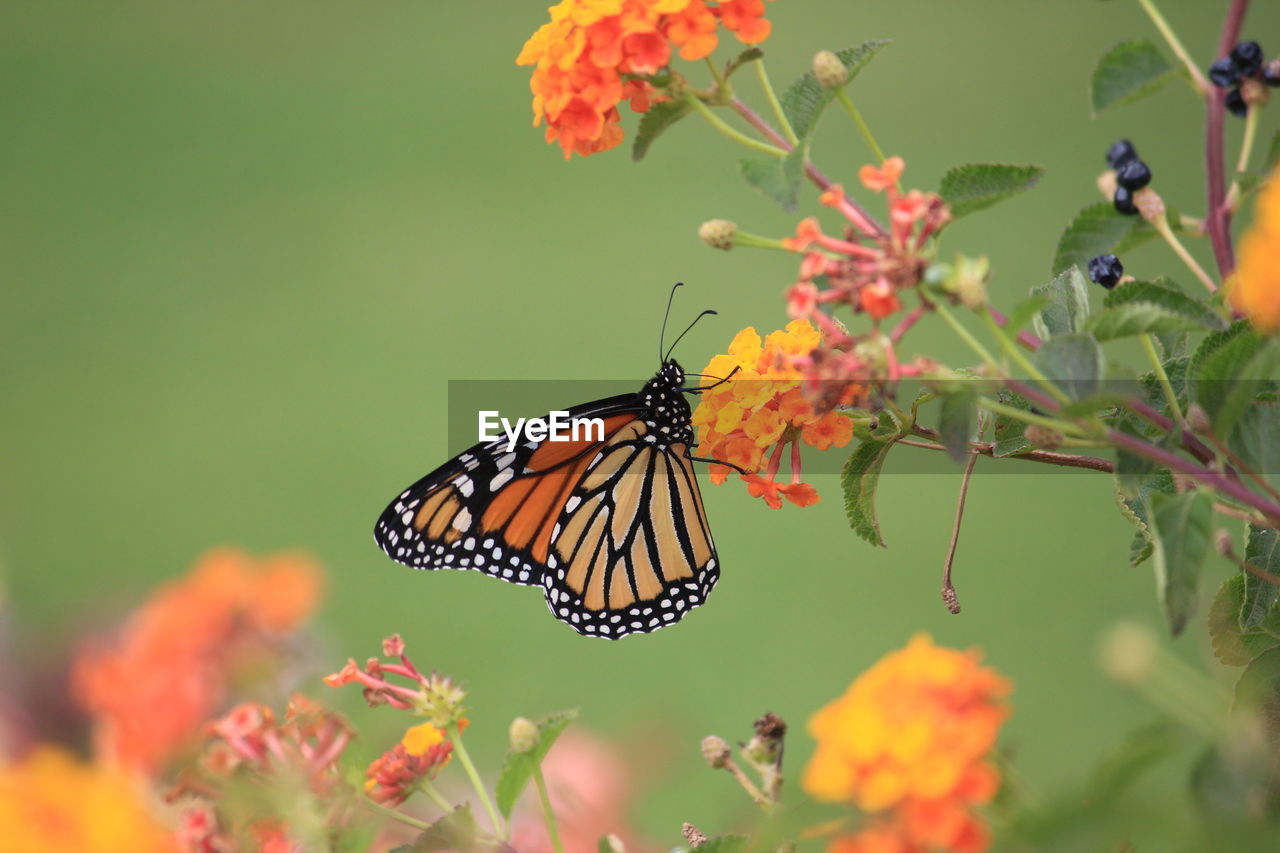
(247, 245)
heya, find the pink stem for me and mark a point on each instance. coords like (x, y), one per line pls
(1218, 217)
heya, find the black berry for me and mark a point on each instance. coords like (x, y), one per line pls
(1236, 104)
(1120, 153)
(1247, 58)
(1106, 270)
(1133, 175)
(1223, 73)
(1124, 201)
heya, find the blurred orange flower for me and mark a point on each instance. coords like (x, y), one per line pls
(594, 54)
(168, 671)
(52, 803)
(909, 742)
(1255, 288)
(762, 406)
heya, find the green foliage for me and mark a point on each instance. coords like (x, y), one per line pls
(1073, 362)
(805, 99)
(456, 832)
(1127, 72)
(1136, 318)
(1234, 643)
(655, 122)
(1134, 507)
(1008, 433)
(976, 186)
(1247, 381)
(1256, 438)
(1231, 785)
(1217, 364)
(1097, 230)
(955, 424)
(1067, 304)
(751, 54)
(518, 769)
(1170, 299)
(1261, 551)
(1182, 530)
(778, 177)
(859, 479)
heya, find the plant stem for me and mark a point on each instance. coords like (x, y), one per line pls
(757, 796)
(966, 336)
(1149, 346)
(1065, 427)
(435, 796)
(774, 104)
(1028, 340)
(736, 135)
(1198, 81)
(948, 588)
(1047, 457)
(455, 737)
(1230, 456)
(1217, 216)
(1161, 224)
(843, 97)
(1246, 151)
(1025, 363)
(396, 815)
(547, 813)
(715, 75)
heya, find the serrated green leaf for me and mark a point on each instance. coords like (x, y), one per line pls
(778, 178)
(655, 122)
(1126, 72)
(955, 424)
(1218, 362)
(1067, 304)
(1097, 230)
(1256, 376)
(1233, 644)
(1167, 297)
(1256, 438)
(1262, 551)
(1129, 319)
(518, 769)
(860, 477)
(1182, 531)
(1140, 487)
(1073, 362)
(976, 186)
(805, 99)
(1008, 438)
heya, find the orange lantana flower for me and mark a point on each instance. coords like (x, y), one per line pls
(1255, 288)
(909, 742)
(594, 54)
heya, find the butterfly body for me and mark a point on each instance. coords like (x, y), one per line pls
(613, 530)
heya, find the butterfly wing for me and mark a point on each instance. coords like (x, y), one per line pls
(492, 510)
(631, 552)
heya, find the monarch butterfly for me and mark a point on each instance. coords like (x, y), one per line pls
(612, 529)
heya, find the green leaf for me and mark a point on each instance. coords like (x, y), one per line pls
(1067, 308)
(1130, 319)
(1262, 551)
(518, 769)
(1097, 230)
(955, 424)
(1229, 788)
(456, 832)
(1218, 362)
(1168, 297)
(778, 178)
(1256, 438)
(749, 55)
(1008, 433)
(1256, 376)
(1073, 362)
(653, 123)
(1182, 530)
(1139, 488)
(976, 186)
(1140, 750)
(805, 99)
(1130, 70)
(1023, 312)
(860, 477)
(1234, 644)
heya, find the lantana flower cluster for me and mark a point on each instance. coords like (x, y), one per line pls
(170, 669)
(420, 754)
(594, 54)
(762, 405)
(1255, 289)
(909, 743)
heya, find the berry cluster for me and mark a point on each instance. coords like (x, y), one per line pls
(1245, 63)
(1131, 174)
(1106, 270)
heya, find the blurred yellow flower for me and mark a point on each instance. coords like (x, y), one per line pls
(53, 803)
(1255, 288)
(910, 737)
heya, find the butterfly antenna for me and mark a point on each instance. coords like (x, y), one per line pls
(670, 298)
(686, 331)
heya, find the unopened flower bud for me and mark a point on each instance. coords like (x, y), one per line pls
(523, 734)
(968, 281)
(829, 70)
(613, 844)
(693, 835)
(1149, 204)
(1222, 542)
(715, 751)
(1198, 418)
(1043, 436)
(718, 233)
(1128, 653)
(393, 646)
